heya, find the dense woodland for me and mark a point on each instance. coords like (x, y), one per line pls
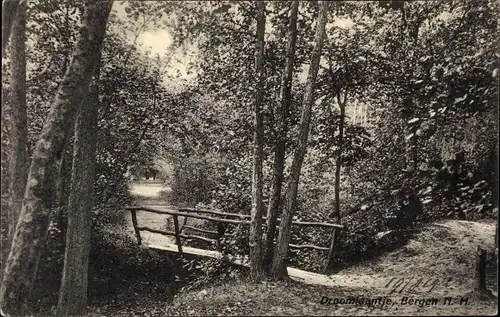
(381, 116)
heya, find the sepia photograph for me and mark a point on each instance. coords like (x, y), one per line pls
(249, 158)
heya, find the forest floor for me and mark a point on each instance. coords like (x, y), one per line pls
(438, 263)
(431, 275)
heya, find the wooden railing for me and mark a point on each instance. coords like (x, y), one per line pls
(240, 219)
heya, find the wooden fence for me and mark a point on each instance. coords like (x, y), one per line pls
(208, 215)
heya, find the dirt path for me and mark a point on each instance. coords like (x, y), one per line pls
(148, 189)
(431, 275)
(446, 268)
(148, 194)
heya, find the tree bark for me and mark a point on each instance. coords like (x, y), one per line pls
(31, 230)
(73, 291)
(280, 148)
(62, 168)
(278, 269)
(496, 189)
(480, 274)
(9, 8)
(19, 129)
(255, 238)
(5, 172)
(62, 187)
(338, 165)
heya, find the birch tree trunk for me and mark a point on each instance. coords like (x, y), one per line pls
(255, 238)
(278, 269)
(31, 230)
(280, 148)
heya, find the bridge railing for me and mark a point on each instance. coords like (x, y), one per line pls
(207, 215)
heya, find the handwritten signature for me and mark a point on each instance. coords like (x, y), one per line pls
(418, 284)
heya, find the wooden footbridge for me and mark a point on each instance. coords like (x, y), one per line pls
(215, 236)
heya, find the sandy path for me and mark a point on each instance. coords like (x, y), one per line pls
(416, 261)
(143, 192)
(147, 190)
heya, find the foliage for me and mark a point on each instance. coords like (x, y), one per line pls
(428, 86)
(378, 61)
(210, 271)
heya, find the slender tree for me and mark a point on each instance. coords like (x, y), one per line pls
(278, 269)
(18, 131)
(338, 166)
(18, 118)
(338, 163)
(31, 230)
(496, 190)
(280, 147)
(255, 239)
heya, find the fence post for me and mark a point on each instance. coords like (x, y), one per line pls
(183, 224)
(330, 251)
(177, 233)
(134, 223)
(481, 269)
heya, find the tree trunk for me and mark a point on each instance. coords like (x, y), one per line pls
(73, 291)
(63, 189)
(18, 133)
(255, 238)
(19, 129)
(5, 139)
(280, 149)
(31, 230)
(9, 8)
(338, 167)
(480, 274)
(62, 168)
(278, 269)
(496, 189)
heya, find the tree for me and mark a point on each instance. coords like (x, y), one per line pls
(279, 264)
(31, 230)
(73, 291)
(280, 146)
(348, 75)
(338, 166)
(257, 211)
(18, 123)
